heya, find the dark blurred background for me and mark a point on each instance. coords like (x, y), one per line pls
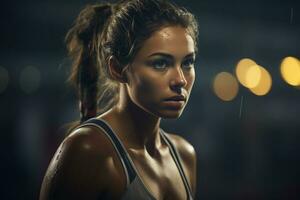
(247, 148)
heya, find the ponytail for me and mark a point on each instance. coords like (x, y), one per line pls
(82, 44)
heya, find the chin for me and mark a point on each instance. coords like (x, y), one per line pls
(165, 113)
(170, 114)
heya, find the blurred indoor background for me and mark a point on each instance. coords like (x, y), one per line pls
(243, 117)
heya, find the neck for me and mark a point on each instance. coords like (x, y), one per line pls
(140, 128)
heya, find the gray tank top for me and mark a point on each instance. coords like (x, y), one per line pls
(135, 188)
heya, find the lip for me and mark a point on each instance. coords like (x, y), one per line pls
(174, 105)
(175, 102)
(176, 98)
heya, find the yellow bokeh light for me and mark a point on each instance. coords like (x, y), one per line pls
(242, 68)
(253, 76)
(225, 86)
(264, 84)
(290, 71)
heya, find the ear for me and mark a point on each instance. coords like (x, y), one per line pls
(116, 70)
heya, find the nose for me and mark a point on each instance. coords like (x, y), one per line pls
(178, 80)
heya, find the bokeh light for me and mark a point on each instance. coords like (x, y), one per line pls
(225, 86)
(4, 79)
(242, 68)
(30, 79)
(253, 76)
(290, 71)
(264, 85)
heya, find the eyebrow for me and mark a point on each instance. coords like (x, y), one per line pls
(170, 56)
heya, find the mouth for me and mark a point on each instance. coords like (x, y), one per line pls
(175, 102)
(176, 98)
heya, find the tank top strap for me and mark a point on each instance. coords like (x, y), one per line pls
(178, 162)
(120, 149)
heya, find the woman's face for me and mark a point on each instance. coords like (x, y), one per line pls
(162, 74)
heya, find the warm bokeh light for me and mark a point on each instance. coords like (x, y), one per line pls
(253, 76)
(290, 70)
(30, 78)
(4, 79)
(264, 84)
(242, 68)
(225, 86)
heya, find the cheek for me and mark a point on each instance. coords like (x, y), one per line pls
(147, 87)
(190, 78)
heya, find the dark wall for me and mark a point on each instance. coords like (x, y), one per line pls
(246, 150)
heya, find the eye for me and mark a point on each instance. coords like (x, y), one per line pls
(188, 63)
(160, 64)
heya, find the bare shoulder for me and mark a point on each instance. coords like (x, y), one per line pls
(78, 168)
(88, 139)
(188, 156)
(185, 149)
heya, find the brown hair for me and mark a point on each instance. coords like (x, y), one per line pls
(119, 30)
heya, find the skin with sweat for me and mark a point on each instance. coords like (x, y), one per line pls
(162, 69)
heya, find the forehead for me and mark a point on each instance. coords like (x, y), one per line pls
(173, 40)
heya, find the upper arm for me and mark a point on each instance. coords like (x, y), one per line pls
(188, 155)
(77, 170)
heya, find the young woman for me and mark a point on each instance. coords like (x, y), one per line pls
(135, 61)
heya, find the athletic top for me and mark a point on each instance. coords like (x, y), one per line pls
(135, 188)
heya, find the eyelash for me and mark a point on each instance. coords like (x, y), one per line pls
(162, 64)
(189, 62)
(159, 63)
